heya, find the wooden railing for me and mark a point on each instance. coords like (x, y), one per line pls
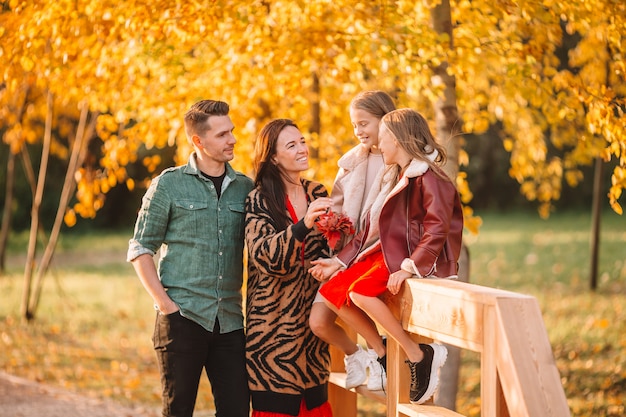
(519, 377)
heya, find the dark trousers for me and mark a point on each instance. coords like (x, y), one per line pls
(184, 349)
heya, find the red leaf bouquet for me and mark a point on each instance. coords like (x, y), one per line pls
(332, 225)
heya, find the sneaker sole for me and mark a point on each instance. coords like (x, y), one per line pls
(440, 354)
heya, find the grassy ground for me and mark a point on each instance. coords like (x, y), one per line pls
(93, 327)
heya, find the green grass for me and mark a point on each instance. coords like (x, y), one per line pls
(93, 328)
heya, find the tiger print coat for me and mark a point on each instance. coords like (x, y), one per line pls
(285, 360)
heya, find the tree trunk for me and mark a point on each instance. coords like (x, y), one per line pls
(83, 135)
(30, 175)
(316, 122)
(596, 215)
(7, 211)
(596, 209)
(34, 225)
(446, 113)
(448, 127)
(28, 169)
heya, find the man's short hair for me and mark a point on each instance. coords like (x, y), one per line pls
(196, 118)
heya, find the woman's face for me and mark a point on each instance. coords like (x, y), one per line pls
(388, 146)
(365, 127)
(292, 152)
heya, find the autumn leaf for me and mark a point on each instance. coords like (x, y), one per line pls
(333, 225)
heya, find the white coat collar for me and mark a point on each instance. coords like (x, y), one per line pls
(416, 168)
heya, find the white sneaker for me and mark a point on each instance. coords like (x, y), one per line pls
(378, 375)
(356, 365)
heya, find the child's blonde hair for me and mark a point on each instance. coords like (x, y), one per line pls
(410, 129)
(375, 102)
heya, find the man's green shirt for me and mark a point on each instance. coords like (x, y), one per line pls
(201, 240)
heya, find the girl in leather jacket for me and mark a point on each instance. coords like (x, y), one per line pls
(413, 230)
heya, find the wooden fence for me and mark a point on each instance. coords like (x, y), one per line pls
(519, 377)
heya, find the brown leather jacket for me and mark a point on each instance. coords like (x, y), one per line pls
(421, 220)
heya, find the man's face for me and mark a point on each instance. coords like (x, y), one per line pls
(219, 143)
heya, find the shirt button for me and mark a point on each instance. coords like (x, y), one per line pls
(220, 277)
(190, 205)
(220, 253)
(220, 231)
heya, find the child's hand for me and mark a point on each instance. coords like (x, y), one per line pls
(396, 279)
(324, 268)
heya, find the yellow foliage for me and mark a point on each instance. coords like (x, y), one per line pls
(471, 223)
(130, 184)
(70, 218)
(140, 69)
(152, 162)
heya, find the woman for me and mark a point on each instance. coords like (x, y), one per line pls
(288, 366)
(357, 183)
(420, 226)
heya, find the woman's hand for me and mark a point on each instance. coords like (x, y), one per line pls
(316, 209)
(324, 268)
(396, 279)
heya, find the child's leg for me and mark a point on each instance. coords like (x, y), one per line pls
(362, 323)
(424, 360)
(365, 326)
(356, 359)
(323, 325)
(379, 311)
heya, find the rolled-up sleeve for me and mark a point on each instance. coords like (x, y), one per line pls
(135, 250)
(151, 224)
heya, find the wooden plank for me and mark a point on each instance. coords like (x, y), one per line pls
(501, 407)
(342, 401)
(471, 292)
(530, 379)
(396, 391)
(338, 379)
(393, 376)
(489, 383)
(399, 375)
(442, 315)
(378, 396)
(413, 410)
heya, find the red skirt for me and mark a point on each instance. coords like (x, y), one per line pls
(368, 276)
(323, 410)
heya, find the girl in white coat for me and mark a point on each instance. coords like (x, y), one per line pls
(358, 182)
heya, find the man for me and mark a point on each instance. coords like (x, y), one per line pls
(195, 215)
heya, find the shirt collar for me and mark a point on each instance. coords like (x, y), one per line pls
(192, 168)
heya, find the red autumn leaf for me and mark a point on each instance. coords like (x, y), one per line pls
(332, 225)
